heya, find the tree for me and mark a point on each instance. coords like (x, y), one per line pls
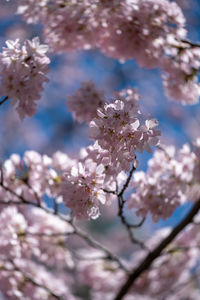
(52, 204)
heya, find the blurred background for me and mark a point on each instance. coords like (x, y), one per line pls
(52, 128)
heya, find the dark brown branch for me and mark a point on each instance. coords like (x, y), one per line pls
(109, 192)
(192, 44)
(4, 100)
(157, 251)
(121, 203)
(139, 224)
(129, 226)
(127, 182)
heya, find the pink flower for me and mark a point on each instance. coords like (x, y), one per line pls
(85, 102)
(118, 130)
(82, 189)
(22, 74)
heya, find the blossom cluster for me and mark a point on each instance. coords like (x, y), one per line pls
(180, 73)
(35, 262)
(122, 29)
(85, 102)
(44, 255)
(33, 176)
(28, 242)
(117, 133)
(82, 189)
(171, 180)
(23, 71)
(120, 129)
(151, 32)
(35, 240)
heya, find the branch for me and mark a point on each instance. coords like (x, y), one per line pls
(157, 251)
(129, 226)
(121, 203)
(4, 100)
(192, 44)
(127, 182)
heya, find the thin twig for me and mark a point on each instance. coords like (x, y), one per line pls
(127, 182)
(121, 203)
(129, 226)
(109, 192)
(41, 234)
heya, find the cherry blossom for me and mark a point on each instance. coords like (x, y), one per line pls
(51, 245)
(85, 102)
(22, 72)
(82, 189)
(171, 180)
(118, 130)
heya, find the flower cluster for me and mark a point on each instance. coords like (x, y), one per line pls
(25, 246)
(180, 74)
(119, 132)
(171, 180)
(33, 176)
(11, 246)
(29, 280)
(139, 30)
(44, 255)
(102, 276)
(151, 32)
(82, 189)
(50, 234)
(85, 102)
(22, 73)
(122, 29)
